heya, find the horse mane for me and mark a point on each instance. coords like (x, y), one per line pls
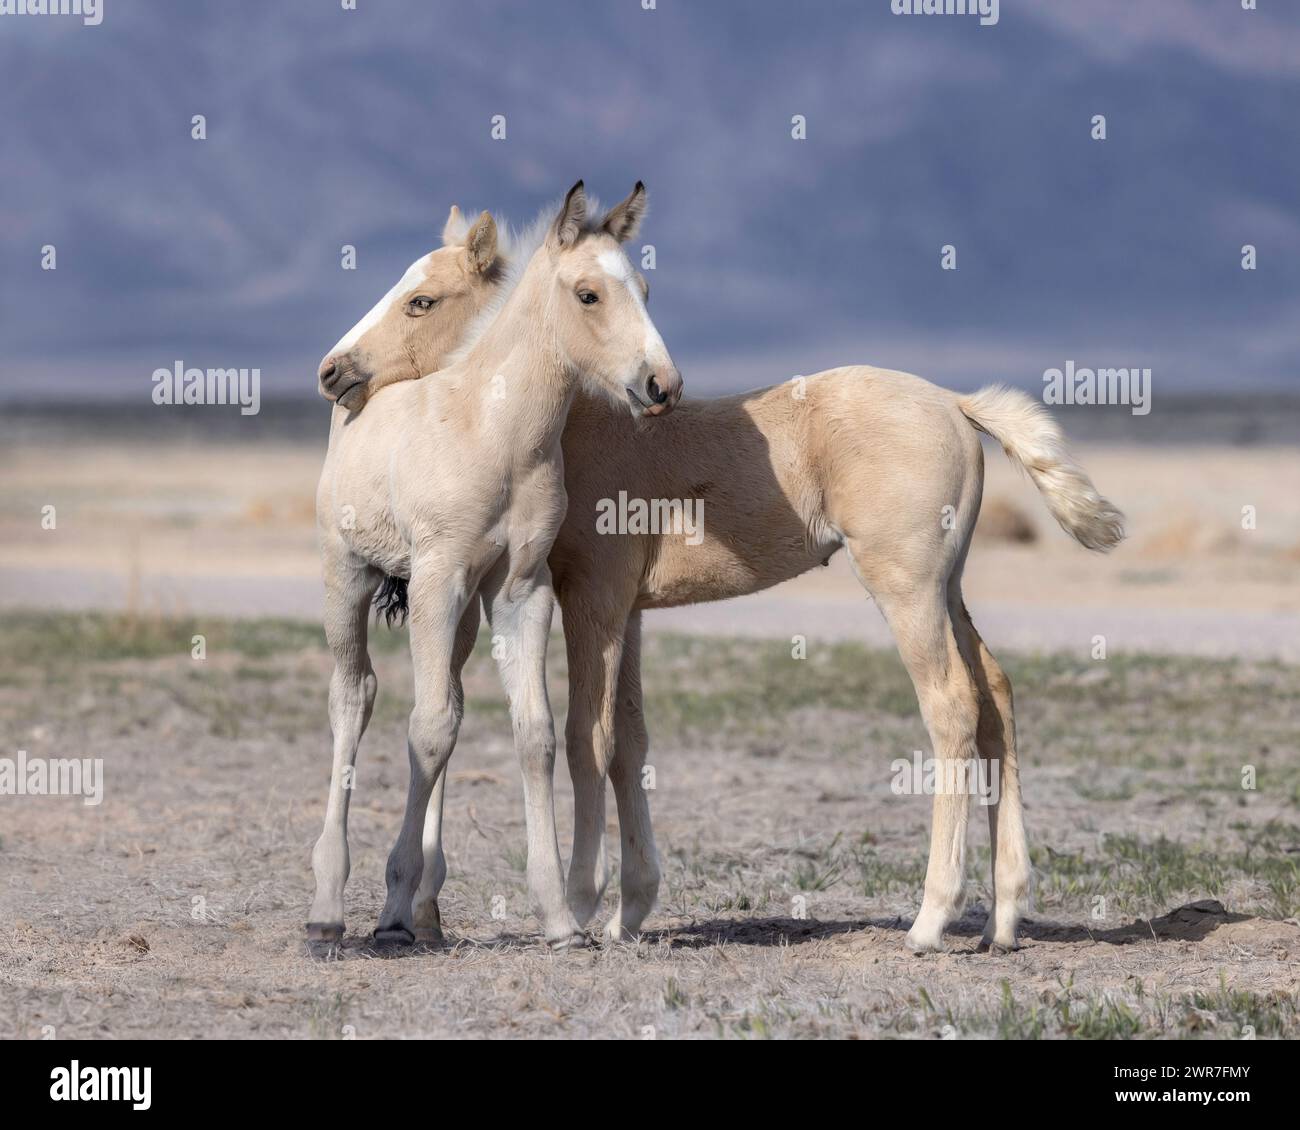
(517, 247)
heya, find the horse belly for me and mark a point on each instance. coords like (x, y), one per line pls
(718, 570)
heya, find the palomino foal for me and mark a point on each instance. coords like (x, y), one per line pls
(457, 486)
(883, 464)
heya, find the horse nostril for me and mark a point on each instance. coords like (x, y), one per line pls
(656, 394)
(327, 370)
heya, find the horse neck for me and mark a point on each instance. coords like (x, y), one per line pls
(519, 348)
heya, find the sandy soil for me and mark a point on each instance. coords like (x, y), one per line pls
(1166, 895)
(227, 530)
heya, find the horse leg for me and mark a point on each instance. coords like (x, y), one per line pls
(919, 618)
(520, 610)
(348, 592)
(638, 861)
(438, 602)
(997, 745)
(424, 909)
(595, 649)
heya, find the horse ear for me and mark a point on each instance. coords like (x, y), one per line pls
(573, 214)
(453, 231)
(481, 243)
(623, 220)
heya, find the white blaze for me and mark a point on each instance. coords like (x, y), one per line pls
(617, 267)
(414, 273)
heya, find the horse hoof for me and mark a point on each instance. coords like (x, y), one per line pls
(428, 936)
(394, 936)
(331, 932)
(924, 943)
(575, 941)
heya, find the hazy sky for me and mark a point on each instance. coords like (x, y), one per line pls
(775, 256)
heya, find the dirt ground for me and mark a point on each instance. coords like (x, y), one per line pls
(1166, 893)
(228, 529)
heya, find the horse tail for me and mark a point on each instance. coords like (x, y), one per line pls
(391, 601)
(1032, 440)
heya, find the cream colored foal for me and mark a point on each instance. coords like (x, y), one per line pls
(457, 485)
(881, 464)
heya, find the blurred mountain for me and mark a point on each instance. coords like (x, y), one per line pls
(774, 256)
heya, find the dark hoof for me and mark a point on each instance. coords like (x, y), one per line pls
(394, 936)
(428, 936)
(330, 932)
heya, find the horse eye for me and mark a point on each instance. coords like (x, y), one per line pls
(587, 298)
(423, 302)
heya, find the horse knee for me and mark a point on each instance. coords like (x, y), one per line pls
(535, 738)
(954, 714)
(431, 734)
(352, 688)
